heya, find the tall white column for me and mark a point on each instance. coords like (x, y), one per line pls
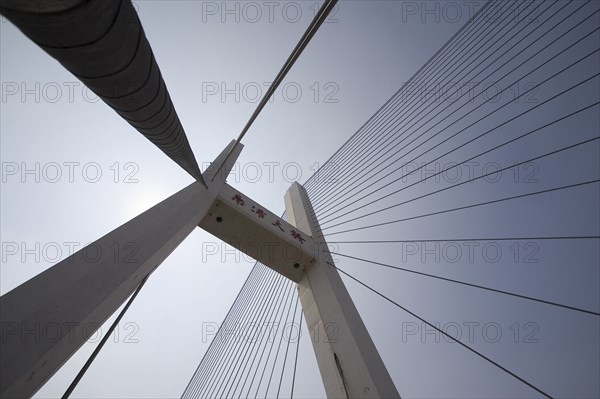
(46, 319)
(348, 360)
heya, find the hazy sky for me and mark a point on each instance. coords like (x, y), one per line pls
(216, 63)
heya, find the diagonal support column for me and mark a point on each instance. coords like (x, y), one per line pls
(348, 360)
(46, 319)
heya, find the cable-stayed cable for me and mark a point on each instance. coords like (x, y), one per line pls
(480, 119)
(529, 384)
(496, 127)
(362, 178)
(504, 292)
(314, 183)
(550, 190)
(375, 127)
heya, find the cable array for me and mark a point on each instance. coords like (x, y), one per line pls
(542, 60)
(249, 355)
(516, 87)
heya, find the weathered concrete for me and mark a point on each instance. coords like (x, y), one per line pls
(46, 319)
(254, 230)
(348, 360)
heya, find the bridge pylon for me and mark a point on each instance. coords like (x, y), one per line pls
(348, 360)
(81, 292)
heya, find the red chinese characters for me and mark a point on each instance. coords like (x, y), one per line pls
(238, 198)
(298, 236)
(259, 212)
(278, 224)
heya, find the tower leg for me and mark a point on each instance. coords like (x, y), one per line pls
(348, 360)
(46, 319)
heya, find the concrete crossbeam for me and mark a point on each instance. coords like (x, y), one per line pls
(254, 230)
